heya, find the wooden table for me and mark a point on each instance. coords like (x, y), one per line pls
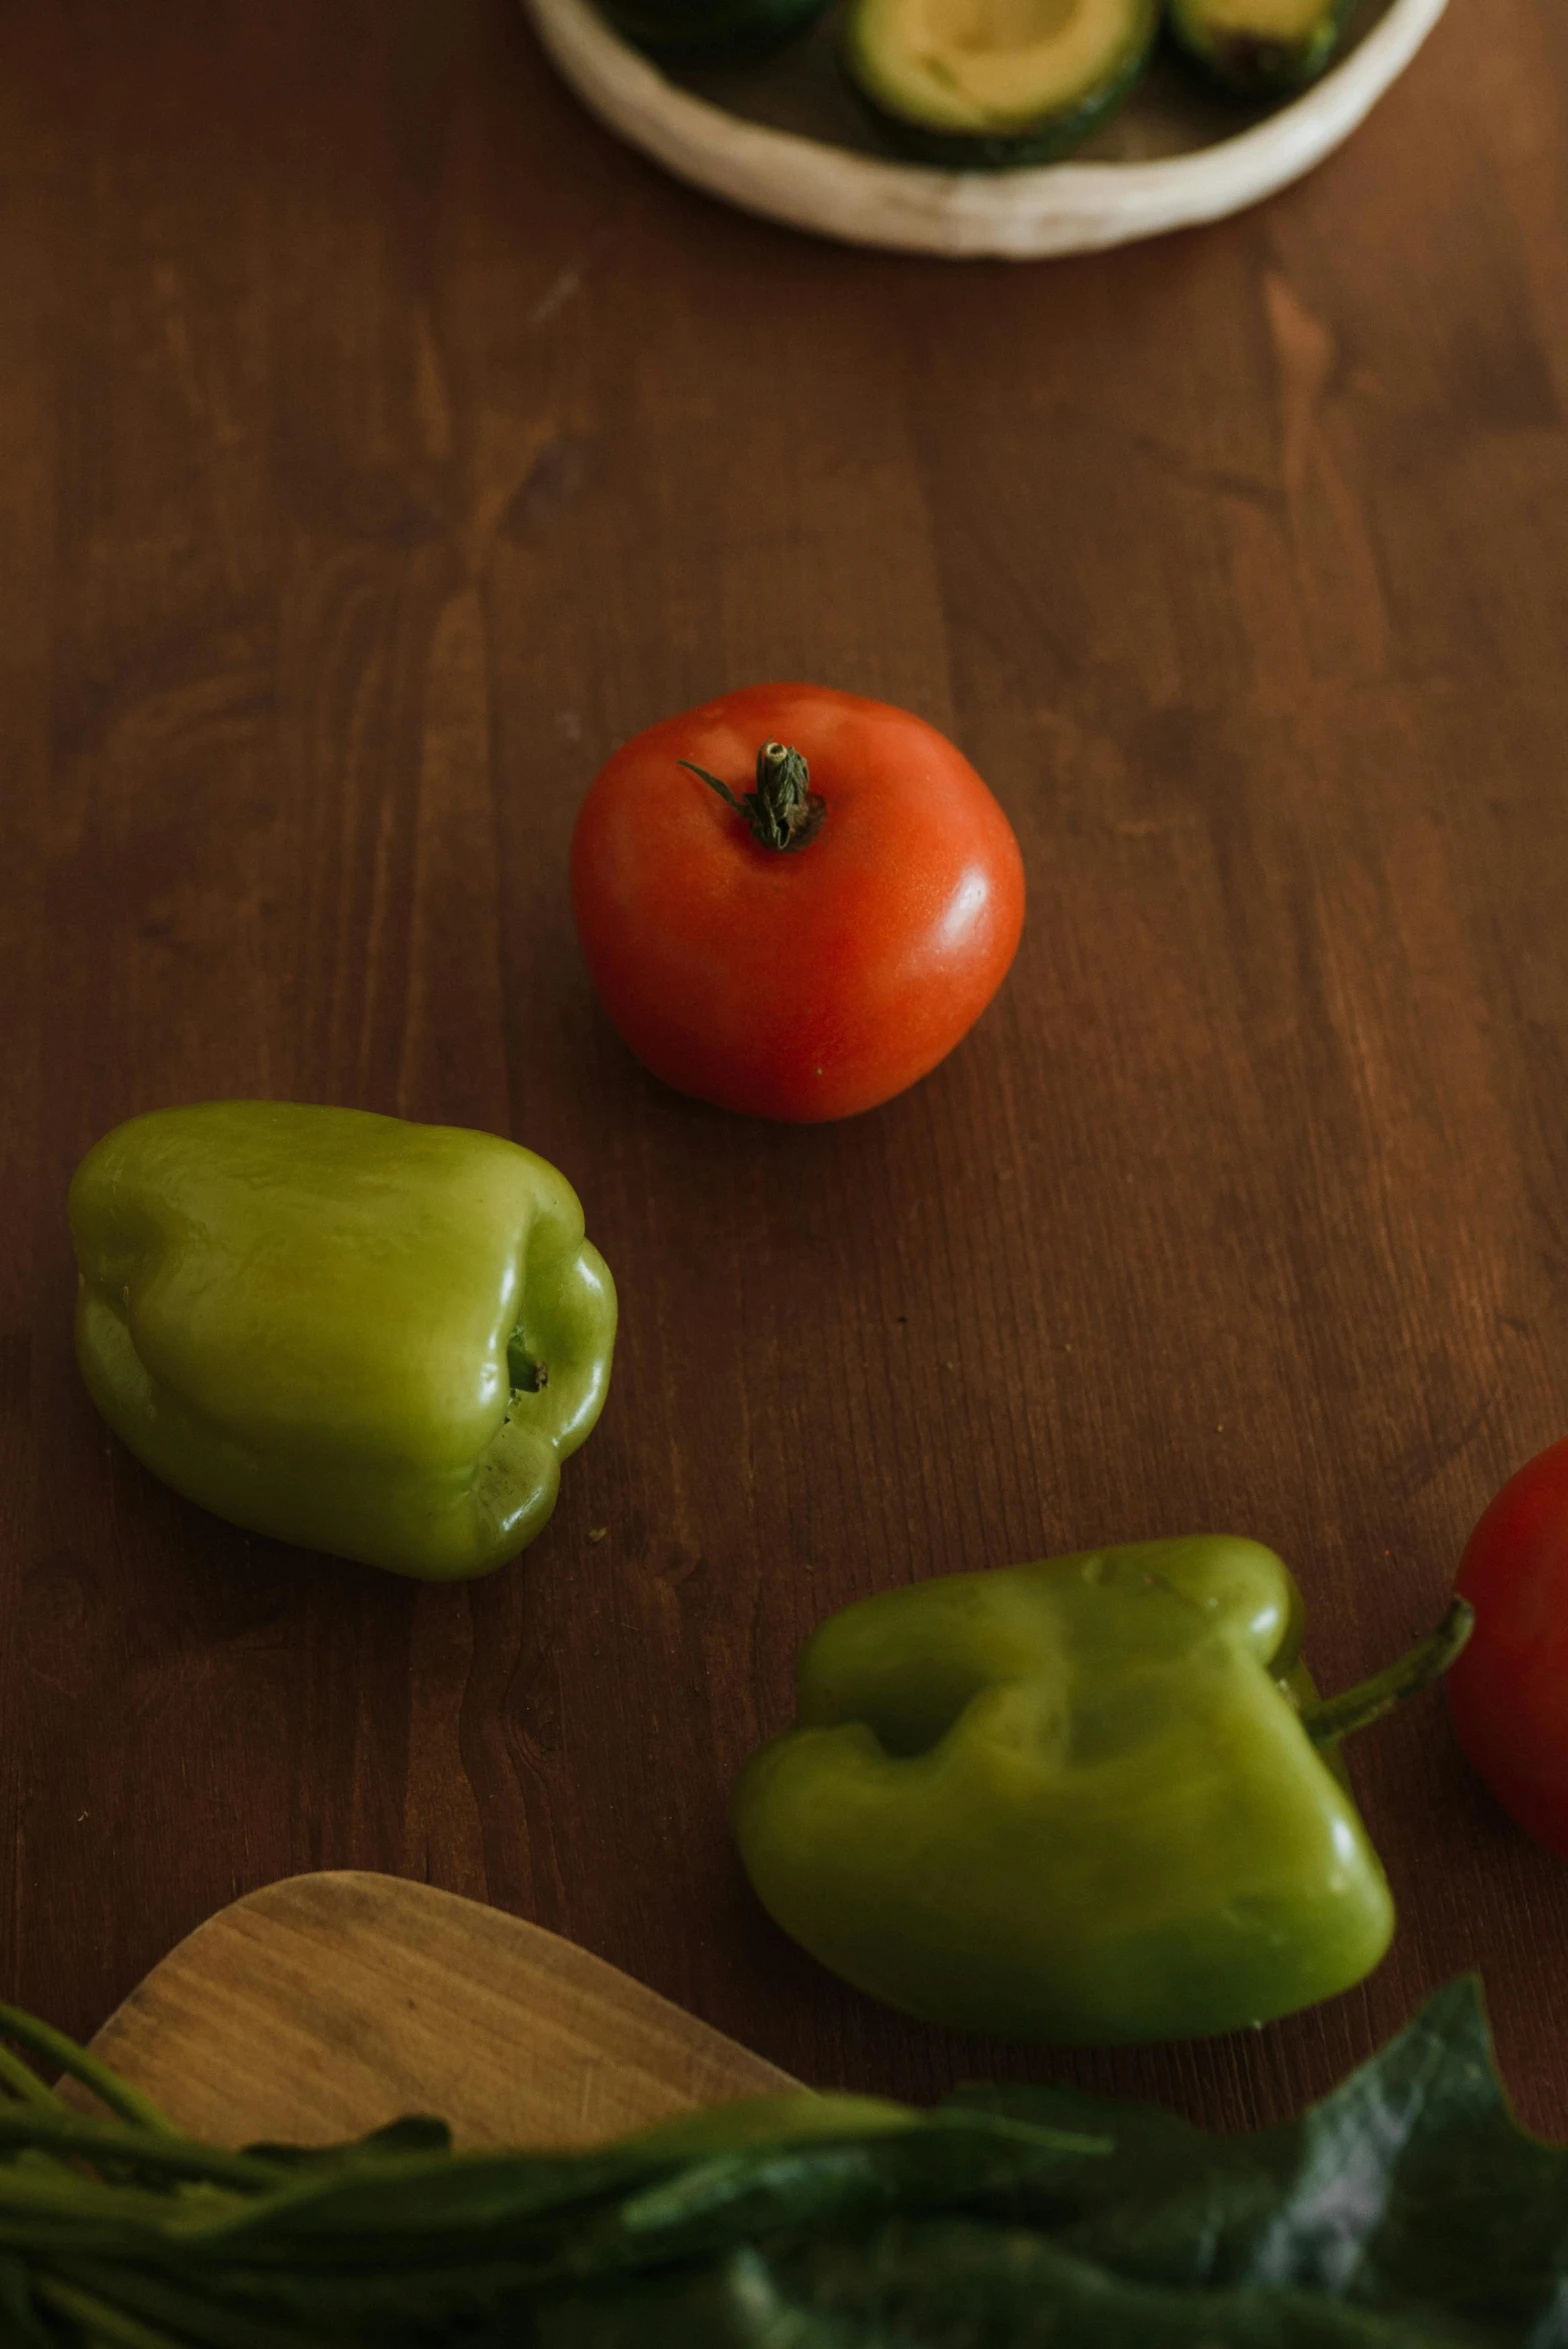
(379, 445)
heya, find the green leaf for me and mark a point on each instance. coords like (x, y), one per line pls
(20, 2321)
(1406, 2211)
(416, 2133)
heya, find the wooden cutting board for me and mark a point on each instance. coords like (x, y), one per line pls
(329, 2004)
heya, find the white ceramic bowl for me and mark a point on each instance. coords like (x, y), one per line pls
(815, 182)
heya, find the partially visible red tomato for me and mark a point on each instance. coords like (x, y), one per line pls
(1509, 1689)
(808, 980)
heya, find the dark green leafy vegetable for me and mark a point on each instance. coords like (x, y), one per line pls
(1407, 2209)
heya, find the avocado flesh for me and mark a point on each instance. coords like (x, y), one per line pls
(1260, 48)
(1008, 74)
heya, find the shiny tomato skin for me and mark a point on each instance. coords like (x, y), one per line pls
(1509, 1689)
(816, 982)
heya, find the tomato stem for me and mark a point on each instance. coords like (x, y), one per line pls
(1331, 1718)
(783, 812)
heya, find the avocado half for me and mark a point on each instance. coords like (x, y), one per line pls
(995, 83)
(1261, 48)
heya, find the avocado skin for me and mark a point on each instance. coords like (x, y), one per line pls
(700, 32)
(1046, 141)
(1258, 65)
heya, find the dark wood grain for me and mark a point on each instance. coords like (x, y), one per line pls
(379, 445)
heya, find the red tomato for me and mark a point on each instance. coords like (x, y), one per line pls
(808, 981)
(1509, 1689)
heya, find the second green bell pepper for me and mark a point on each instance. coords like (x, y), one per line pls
(1089, 1800)
(344, 1330)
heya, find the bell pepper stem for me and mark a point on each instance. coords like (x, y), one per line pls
(1332, 1718)
(527, 1374)
(783, 812)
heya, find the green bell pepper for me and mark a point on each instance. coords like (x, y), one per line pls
(370, 1337)
(1088, 1800)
